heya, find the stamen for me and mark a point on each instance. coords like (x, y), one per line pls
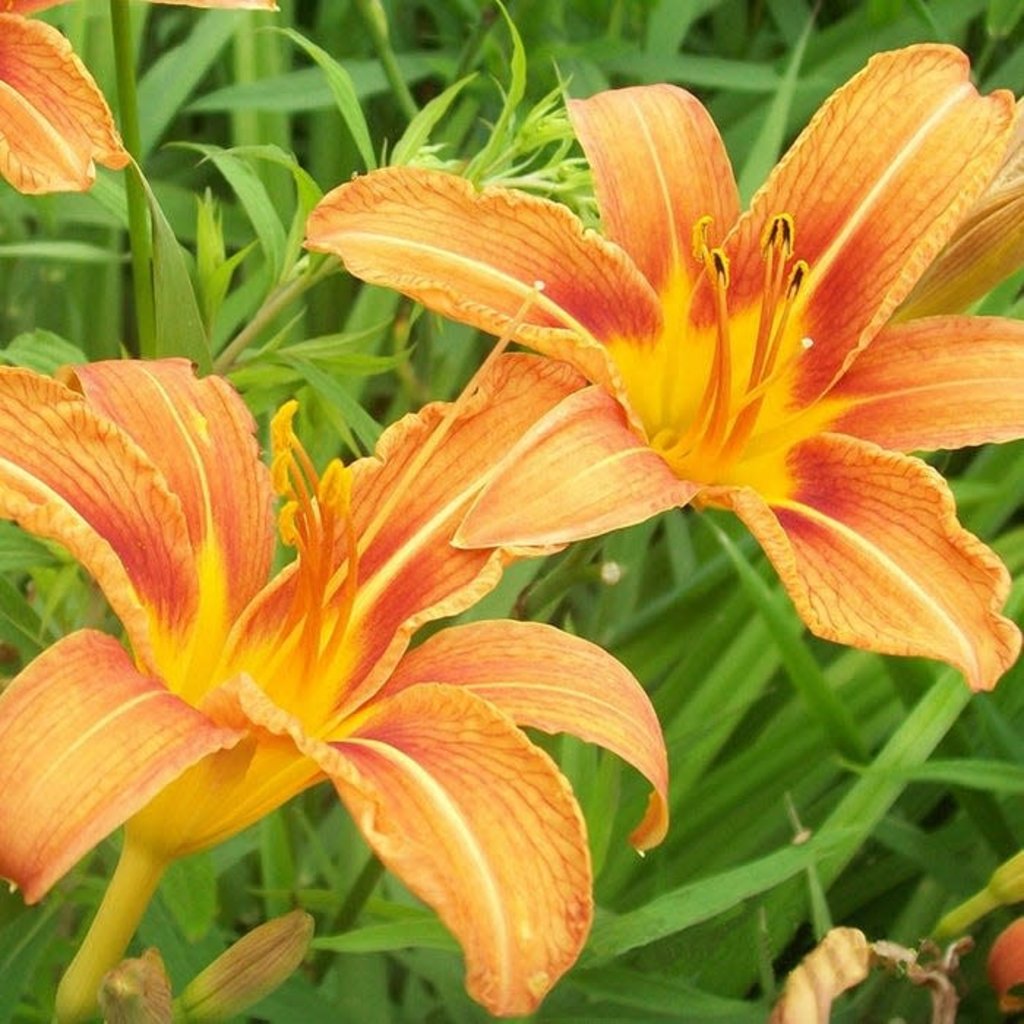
(720, 385)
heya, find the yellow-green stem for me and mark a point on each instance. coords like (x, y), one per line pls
(138, 216)
(376, 23)
(960, 919)
(135, 880)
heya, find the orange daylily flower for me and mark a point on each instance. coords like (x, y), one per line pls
(743, 361)
(55, 125)
(239, 693)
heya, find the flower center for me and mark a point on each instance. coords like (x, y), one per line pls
(315, 519)
(704, 421)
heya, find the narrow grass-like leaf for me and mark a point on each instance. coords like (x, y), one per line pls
(699, 901)
(344, 92)
(417, 134)
(768, 144)
(801, 667)
(413, 932)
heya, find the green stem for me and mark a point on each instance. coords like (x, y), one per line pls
(376, 21)
(138, 219)
(135, 880)
(276, 301)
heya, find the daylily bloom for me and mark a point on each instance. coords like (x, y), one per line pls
(55, 125)
(239, 693)
(743, 361)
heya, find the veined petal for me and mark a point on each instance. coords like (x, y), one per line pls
(72, 476)
(54, 121)
(407, 502)
(85, 741)
(580, 471)
(480, 824)
(940, 382)
(876, 185)
(542, 677)
(477, 257)
(868, 545)
(659, 166)
(199, 435)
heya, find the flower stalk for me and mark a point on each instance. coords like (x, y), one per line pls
(138, 217)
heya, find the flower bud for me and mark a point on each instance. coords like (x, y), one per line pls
(249, 970)
(137, 991)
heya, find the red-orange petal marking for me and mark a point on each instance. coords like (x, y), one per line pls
(875, 184)
(477, 256)
(579, 472)
(940, 382)
(659, 166)
(199, 434)
(550, 680)
(868, 545)
(480, 824)
(74, 477)
(54, 121)
(85, 742)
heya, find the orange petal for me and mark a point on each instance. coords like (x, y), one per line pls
(659, 166)
(868, 545)
(407, 501)
(876, 185)
(85, 741)
(480, 824)
(54, 121)
(1006, 967)
(72, 476)
(578, 472)
(547, 679)
(941, 382)
(199, 435)
(477, 256)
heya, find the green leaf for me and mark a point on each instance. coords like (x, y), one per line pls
(179, 324)
(344, 92)
(42, 351)
(417, 134)
(409, 933)
(22, 943)
(695, 902)
(189, 890)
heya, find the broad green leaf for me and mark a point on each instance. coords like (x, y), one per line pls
(179, 324)
(413, 932)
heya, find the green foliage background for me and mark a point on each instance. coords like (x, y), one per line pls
(811, 785)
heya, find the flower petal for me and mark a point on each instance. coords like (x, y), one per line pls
(480, 824)
(659, 166)
(54, 121)
(940, 382)
(868, 545)
(199, 435)
(876, 185)
(579, 472)
(550, 680)
(85, 741)
(477, 256)
(1006, 967)
(74, 477)
(407, 501)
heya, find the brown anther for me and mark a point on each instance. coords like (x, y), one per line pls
(796, 279)
(779, 234)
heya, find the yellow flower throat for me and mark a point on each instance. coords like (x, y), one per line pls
(713, 396)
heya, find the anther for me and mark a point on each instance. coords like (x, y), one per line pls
(779, 234)
(796, 278)
(701, 245)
